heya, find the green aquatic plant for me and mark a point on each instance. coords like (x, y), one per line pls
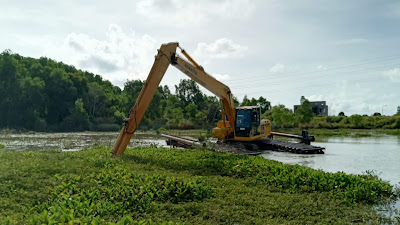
(151, 186)
(115, 191)
(285, 177)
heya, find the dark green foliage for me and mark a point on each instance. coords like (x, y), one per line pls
(41, 94)
(192, 186)
(292, 178)
(281, 116)
(356, 120)
(261, 101)
(114, 191)
(78, 119)
(304, 112)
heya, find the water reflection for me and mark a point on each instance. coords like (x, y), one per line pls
(352, 155)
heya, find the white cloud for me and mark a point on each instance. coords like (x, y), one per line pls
(221, 48)
(182, 12)
(277, 68)
(392, 74)
(321, 67)
(221, 77)
(120, 57)
(351, 41)
(351, 99)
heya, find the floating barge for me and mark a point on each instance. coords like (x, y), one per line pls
(252, 148)
(284, 146)
(180, 142)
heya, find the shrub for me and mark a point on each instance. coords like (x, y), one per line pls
(186, 124)
(396, 125)
(113, 192)
(292, 178)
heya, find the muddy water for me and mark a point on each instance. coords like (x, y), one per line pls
(72, 141)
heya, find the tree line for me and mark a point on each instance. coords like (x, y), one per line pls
(303, 117)
(46, 95)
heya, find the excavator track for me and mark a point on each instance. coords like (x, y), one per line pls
(254, 146)
(284, 146)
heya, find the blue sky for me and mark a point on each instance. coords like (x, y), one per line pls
(344, 52)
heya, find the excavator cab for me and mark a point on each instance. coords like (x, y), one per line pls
(247, 121)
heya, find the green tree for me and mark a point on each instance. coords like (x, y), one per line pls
(191, 111)
(236, 101)
(174, 117)
(398, 110)
(282, 116)
(188, 92)
(61, 95)
(212, 110)
(341, 114)
(304, 112)
(200, 119)
(78, 120)
(9, 91)
(96, 100)
(245, 101)
(35, 93)
(356, 120)
(264, 104)
(31, 104)
(261, 101)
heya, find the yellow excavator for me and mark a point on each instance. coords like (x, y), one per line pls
(238, 124)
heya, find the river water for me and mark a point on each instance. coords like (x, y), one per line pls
(351, 155)
(380, 155)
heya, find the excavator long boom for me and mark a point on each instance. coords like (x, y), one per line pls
(166, 56)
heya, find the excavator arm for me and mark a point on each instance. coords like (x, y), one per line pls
(166, 56)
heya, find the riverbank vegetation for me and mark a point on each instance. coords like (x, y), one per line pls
(46, 95)
(343, 132)
(152, 186)
(282, 117)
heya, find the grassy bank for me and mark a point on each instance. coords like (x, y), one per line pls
(345, 132)
(178, 185)
(342, 132)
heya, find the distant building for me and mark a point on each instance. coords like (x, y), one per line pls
(319, 108)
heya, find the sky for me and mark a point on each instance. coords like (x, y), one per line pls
(346, 53)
